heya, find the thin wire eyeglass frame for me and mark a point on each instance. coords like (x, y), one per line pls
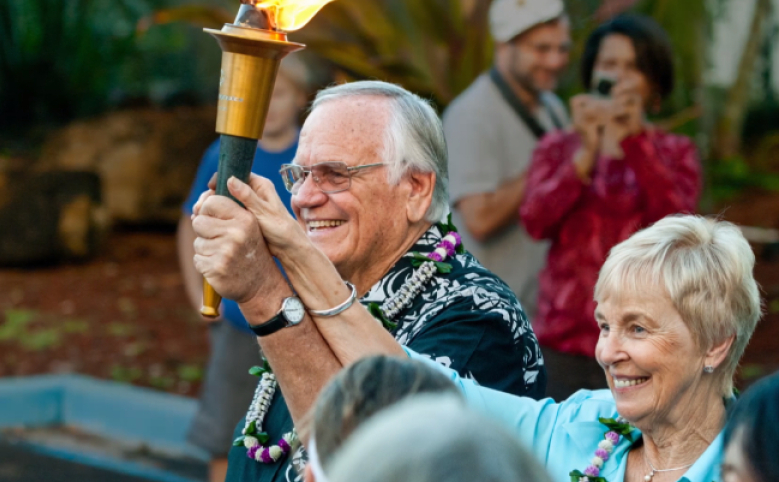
(294, 186)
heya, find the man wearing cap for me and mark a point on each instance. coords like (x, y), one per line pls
(491, 131)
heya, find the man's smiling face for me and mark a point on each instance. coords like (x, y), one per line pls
(369, 220)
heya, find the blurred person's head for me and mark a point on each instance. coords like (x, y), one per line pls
(434, 438)
(360, 391)
(630, 46)
(290, 95)
(752, 433)
(677, 305)
(532, 42)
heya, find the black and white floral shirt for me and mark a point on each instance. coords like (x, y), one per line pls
(468, 320)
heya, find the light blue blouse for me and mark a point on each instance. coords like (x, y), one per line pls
(564, 436)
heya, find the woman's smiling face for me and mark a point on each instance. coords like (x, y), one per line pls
(652, 363)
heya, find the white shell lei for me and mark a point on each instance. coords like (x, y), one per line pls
(424, 273)
(267, 386)
(410, 289)
(254, 420)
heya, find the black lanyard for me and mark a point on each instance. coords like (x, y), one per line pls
(521, 109)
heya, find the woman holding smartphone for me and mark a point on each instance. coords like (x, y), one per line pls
(591, 187)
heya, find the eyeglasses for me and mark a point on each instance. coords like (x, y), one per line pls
(330, 177)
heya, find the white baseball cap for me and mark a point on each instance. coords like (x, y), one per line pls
(509, 18)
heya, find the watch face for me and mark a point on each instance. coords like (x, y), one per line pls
(294, 311)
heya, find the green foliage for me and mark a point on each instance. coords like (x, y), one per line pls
(61, 60)
(15, 325)
(120, 330)
(124, 374)
(435, 48)
(58, 59)
(75, 326)
(163, 382)
(621, 428)
(41, 339)
(34, 331)
(577, 475)
(729, 177)
(190, 373)
(375, 310)
(751, 371)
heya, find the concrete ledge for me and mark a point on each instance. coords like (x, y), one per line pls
(31, 401)
(130, 415)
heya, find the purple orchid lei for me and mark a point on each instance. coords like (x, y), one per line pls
(617, 429)
(253, 438)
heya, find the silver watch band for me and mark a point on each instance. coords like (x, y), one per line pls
(340, 308)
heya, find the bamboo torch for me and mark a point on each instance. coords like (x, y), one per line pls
(252, 49)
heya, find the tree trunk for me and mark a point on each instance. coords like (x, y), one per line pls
(727, 140)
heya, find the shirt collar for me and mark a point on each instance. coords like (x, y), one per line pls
(398, 274)
(707, 467)
(427, 242)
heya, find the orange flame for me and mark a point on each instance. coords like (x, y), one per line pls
(290, 15)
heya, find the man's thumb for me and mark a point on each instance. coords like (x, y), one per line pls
(243, 193)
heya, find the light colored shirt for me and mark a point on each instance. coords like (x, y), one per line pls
(488, 144)
(564, 436)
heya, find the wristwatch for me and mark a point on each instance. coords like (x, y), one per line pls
(291, 313)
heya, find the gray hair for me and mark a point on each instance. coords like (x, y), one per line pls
(433, 437)
(705, 266)
(414, 139)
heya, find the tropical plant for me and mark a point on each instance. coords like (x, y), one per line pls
(434, 47)
(58, 59)
(727, 131)
(65, 59)
(438, 47)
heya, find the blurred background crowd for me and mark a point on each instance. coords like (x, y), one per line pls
(107, 138)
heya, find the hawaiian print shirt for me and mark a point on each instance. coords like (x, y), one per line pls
(467, 320)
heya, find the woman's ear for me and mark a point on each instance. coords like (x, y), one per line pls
(717, 353)
(420, 195)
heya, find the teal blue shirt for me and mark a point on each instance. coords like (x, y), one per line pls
(564, 436)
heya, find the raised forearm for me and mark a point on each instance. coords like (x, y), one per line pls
(352, 334)
(487, 213)
(193, 281)
(301, 359)
(306, 356)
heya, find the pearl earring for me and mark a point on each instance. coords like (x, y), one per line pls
(708, 369)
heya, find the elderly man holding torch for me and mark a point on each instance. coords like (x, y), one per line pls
(369, 190)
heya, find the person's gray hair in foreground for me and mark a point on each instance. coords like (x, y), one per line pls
(431, 438)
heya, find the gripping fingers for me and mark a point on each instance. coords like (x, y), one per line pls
(200, 200)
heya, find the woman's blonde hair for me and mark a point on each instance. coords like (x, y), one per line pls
(705, 266)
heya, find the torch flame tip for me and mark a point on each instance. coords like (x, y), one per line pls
(288, 15)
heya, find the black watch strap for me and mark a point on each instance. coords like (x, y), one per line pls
(268, 328)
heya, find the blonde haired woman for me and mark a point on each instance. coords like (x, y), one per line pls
(677, 304)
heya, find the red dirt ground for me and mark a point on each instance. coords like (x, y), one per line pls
(124, 316)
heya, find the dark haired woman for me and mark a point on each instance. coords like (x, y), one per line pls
(593, 186)
(751, 435)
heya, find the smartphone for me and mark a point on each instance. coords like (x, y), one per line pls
(602, 84)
